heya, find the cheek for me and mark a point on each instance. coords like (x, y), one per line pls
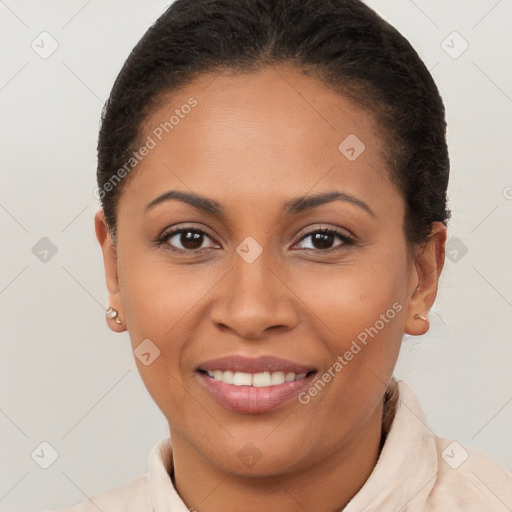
(157, 296)
(352, 297)
(361, 315)
(164, 304)
(157, 302)
(361, 311)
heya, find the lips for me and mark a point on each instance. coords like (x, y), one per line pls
(254, 385)
(257, 365)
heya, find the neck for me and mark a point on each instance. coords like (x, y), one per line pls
(325, 486)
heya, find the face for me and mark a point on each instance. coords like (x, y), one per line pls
(275, 305)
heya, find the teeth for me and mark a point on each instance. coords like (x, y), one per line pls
(277, 378)
(261, 379)
(227, 377)
(254, 379)
(242, 379)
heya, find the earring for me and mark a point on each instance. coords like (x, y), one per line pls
(419, 316)
(113, 314)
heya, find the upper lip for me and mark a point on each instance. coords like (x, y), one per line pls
(254, 365)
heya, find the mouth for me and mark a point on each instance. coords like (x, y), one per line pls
(254, 385)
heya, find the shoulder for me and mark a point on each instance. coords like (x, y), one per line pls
(435, 473)
(469, 480)
(132, 497)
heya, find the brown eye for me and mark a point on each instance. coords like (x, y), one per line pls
(186, 239)
(323, 239)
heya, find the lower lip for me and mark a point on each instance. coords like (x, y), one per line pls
(250, 399)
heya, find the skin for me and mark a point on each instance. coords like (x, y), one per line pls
(253, 142)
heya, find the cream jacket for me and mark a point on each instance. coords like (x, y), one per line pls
(416, 471)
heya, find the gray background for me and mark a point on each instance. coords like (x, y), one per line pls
(68, 380)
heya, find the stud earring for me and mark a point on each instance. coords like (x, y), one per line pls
(419, 316)
(113, 314)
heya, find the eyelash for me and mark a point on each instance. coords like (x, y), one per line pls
(347, 240)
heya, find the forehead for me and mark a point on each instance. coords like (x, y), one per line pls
(259, 136)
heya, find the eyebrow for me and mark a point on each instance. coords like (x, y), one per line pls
(292, 207)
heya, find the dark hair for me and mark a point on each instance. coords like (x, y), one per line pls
(342, 42)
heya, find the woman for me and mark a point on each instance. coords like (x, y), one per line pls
(273, 179)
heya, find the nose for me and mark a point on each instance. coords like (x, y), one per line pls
(253, 299)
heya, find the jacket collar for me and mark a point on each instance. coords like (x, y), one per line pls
(407, 467)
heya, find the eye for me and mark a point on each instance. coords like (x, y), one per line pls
(185, 239)
(323, 239)
(192, 239)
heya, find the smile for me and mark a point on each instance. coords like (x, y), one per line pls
(258, 380)
(253, 385)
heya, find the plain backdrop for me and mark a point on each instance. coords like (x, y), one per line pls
(67, 380)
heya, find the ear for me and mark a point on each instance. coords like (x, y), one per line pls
(110, 263)
(424, 279)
